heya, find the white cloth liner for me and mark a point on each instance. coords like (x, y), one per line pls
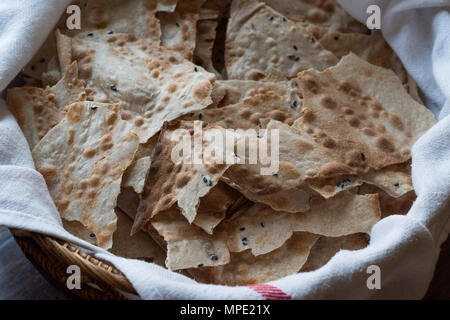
(404, 247)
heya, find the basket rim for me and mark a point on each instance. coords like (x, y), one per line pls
(98, 270)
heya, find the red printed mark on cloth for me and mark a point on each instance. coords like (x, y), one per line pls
(270, 292)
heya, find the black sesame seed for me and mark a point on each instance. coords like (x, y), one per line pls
(113, 87)
(397, 185)
(177, 24)
(244, 243)
(213, 257)
(205, 180)
(244, 239)
(313, 40)
(200, 265)
(262, 224)
(295, 47)
(275, 174)
(343, 184)
(271, 18)
(90, 34)
(33, 67)
(111, 32)
(336, 38)
(294, 104)
(94, 107)
(293, 57)
(92, 235)
(200, 115)
(242, 229)
(284, 19)
(195, 69)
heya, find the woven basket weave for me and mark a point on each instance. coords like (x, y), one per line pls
(51, 257)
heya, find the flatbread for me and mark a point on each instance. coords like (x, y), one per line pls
(80, 231)
(152, 83)
(384, 86)
(185, 181)
(35, 111)
(326, 13)
(395, 180)
(69, 89)
(52, 74)
(371, 48)
(128, 201)
(263, 230)
(214, 206)
(82, 160)
(229, 92)
(390, 205)
(137, 17)
(166, 5)
(245, 269)
(139, 246)
(300, 158)
(326, 247)
(248, 113)
(206, 34)
(369, 140)
(188, 246)
(135, 175)
(179, 28)
(259, 38)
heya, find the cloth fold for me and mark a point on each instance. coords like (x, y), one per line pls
(404, 247)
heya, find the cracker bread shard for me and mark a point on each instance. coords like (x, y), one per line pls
(379, 130)
(206, 35)
(179, 28)
(187, 246)
(384, 86)
(134, 176)
(326, 247)
(188, 179)
(229, 92)
(327, 13)
(259, 38)
(82, 160)
(248, 113)
(154, 84)
(131, 16)
(35, 111)
(395, 180)
(244, 268)
(140, 246)
(300, 158)
(372, 48)
(262, 230)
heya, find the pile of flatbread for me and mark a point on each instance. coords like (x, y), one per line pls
(102, 106)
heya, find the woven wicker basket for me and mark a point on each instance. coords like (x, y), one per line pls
(51, 257)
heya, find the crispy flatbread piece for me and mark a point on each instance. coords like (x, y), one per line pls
(153, 84)
(263, 230)
(259, 38)
(326, 247)
(188, 246)
(189, 178)
(244, 268)
(82, 160)
(324, 13)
